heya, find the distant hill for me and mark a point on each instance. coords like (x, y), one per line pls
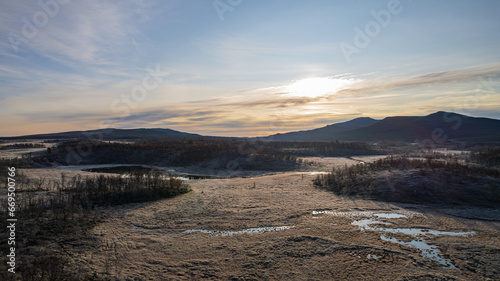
(113, 134)
(327, 133)
(437, 127)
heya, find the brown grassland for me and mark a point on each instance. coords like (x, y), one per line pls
(161, 239)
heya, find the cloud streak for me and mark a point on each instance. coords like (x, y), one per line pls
(268, 110)
(428, 79)
(260, 111)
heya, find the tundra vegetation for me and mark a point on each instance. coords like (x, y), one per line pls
(431, 178)
(21, 146)
(58, 215)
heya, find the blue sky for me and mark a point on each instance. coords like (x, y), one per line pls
(241, 67)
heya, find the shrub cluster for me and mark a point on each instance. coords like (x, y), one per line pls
(249, 155)
(489, 156)
(80, 193)
(13, 162)
(358, 179)
(326, 149)
(21, 146)
(181, 152)
(66, 213)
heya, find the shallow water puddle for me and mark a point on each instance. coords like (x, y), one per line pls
(429, 251)
(375, 257)
(141, 228)
(248, 230)
(164, 177)
(310, 173)
(221, 232)
(389, 215)
(316, 173)
(352, 214)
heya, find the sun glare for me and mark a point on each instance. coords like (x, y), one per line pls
(318, 86)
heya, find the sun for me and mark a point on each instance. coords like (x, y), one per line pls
(317, 86)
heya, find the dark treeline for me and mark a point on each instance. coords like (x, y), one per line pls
(250, 155)
(13, 162)
(414, 180)
(349, 175)
(168, 152)
(67, 214)
(19, 162)
(326, 149)
(21, 146)
(488, 156)
(84, 193)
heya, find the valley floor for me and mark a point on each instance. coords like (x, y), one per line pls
(281, 227)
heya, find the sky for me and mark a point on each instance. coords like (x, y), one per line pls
(241, 67)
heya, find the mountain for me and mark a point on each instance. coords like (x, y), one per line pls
(437, 127)
(113, 134)
(326, 133)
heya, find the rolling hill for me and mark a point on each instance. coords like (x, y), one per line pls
(113, 134)
(327, 133)
(437, 127)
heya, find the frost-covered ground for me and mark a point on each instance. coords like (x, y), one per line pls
(281, 227)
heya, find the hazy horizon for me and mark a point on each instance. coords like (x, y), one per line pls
(242, 68)
(213, 135)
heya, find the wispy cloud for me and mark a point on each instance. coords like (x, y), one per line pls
(428, 79)
(88, 32)
(261, 70)
(263, 108)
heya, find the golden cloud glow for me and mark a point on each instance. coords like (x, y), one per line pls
(318, 86)
(301, 105)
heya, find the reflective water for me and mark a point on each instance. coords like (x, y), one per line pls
(141, 228)
(365, 224)
(248, 230)
(429, 251)
(219, 232)
(370, 256)
(350, 214)
(374, 223)
(389, 215)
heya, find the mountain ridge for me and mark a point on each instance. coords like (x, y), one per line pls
(440, 126)
(319, 132)
(112, 133)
